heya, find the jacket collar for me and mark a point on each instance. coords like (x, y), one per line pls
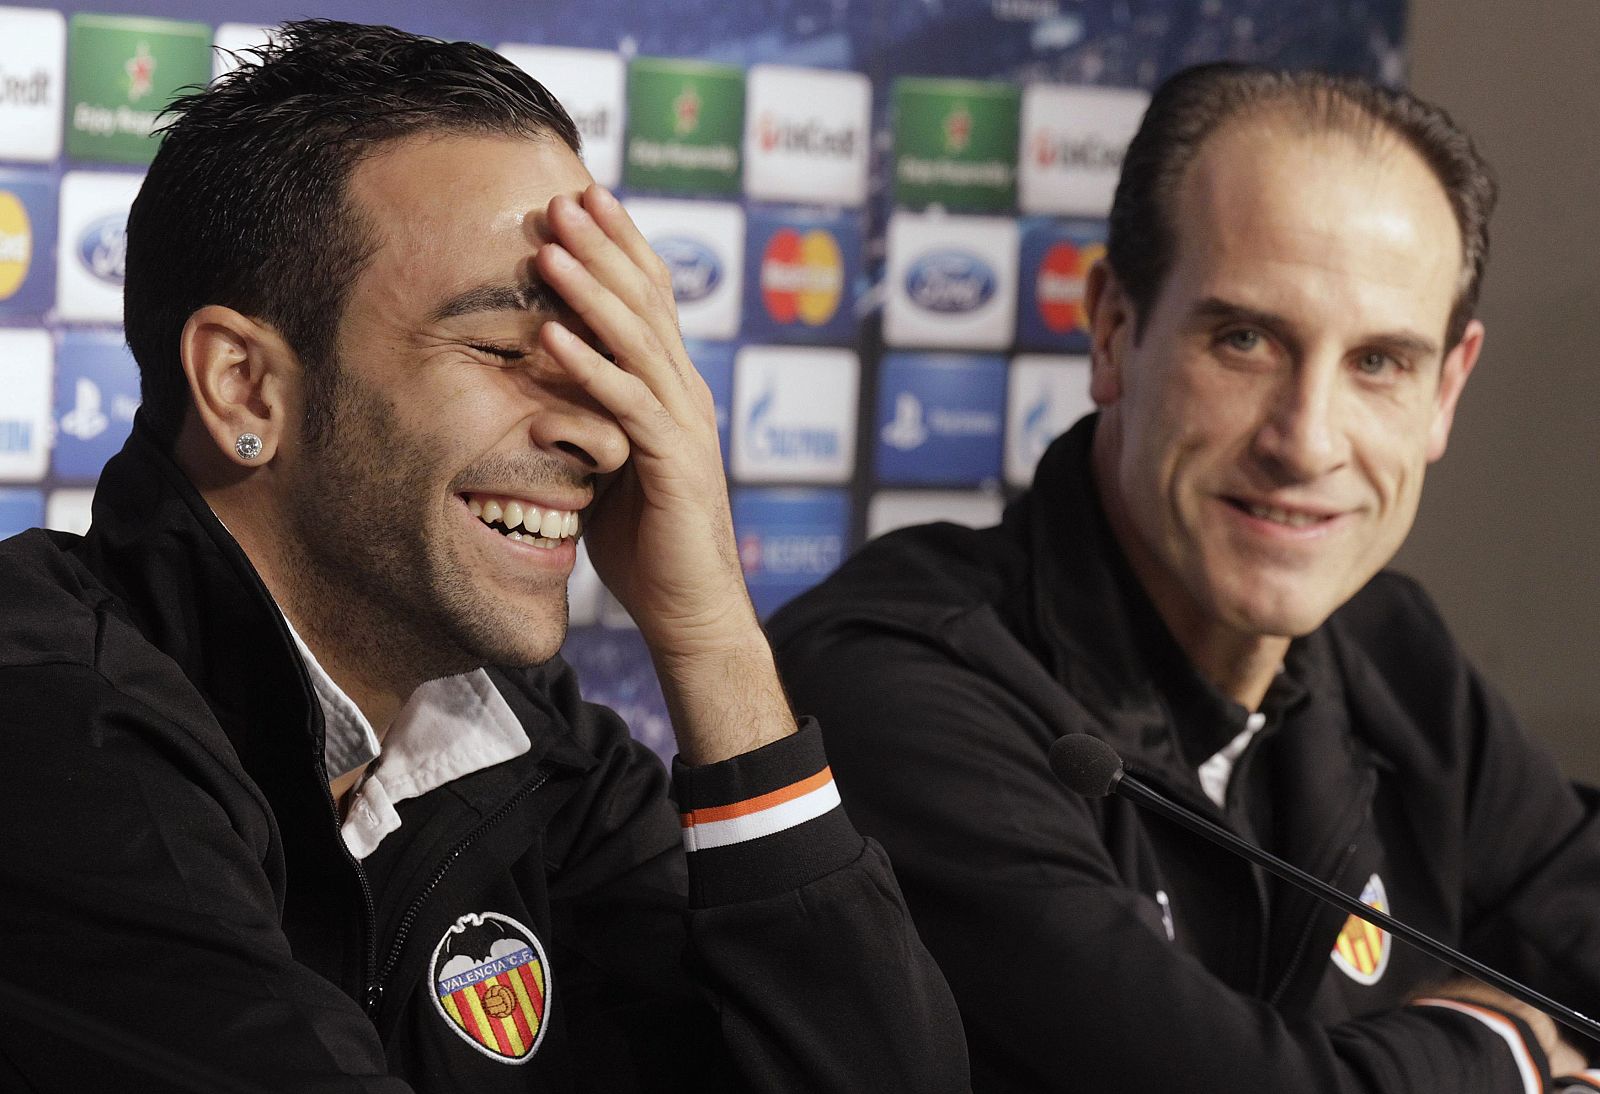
(193, 593)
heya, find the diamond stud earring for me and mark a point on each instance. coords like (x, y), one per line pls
(248, 446)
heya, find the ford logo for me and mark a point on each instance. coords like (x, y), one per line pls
(950, 281)
(696, 273)
(103, 247)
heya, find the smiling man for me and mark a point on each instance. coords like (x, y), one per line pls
(297, 794)
(1281, 332)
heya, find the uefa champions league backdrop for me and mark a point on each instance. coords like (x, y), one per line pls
(878, 214)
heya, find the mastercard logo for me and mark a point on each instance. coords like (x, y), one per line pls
(16, 244)
(1059, 286)
(802, 276)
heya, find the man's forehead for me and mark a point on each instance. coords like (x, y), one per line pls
(1259, 165)
(1259, 198)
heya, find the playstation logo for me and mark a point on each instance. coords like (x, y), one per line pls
(906, 429)
(85, 420)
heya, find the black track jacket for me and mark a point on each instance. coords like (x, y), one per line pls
(1097, 948)
(178, 910)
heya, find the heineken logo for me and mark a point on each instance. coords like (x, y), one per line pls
(957, 129)
(686, 111)
(141, 70)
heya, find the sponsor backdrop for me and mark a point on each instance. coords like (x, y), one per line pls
(878, 215)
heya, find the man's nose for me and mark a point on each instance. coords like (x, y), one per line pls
(580, 431)
(1303, 435)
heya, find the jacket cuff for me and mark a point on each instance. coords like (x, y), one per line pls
(1531, 1065)
(763, 823)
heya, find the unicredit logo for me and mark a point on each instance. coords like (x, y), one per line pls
(103, 247)
(696, 271)
(809, 137)
(950, 281)
(1090, 152)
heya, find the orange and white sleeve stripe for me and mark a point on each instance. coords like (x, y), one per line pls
(763, 815)
(1507, 1030)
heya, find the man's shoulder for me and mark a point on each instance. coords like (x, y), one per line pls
(916, 576)
(54, 605)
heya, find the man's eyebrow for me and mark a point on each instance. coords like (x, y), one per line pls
(531, 296)
(1216, 310)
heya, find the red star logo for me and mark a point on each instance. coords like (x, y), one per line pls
(769, 133)
(686, 111)
(957, 130)
(141, 68)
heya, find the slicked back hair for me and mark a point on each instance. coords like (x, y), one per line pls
(1197, 102)
(246, 203)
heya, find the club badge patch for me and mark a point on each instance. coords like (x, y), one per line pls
(1362, 950)
(492, 985)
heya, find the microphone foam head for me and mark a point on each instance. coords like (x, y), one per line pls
(1087, 765)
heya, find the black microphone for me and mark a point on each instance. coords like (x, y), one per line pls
(1092, 768)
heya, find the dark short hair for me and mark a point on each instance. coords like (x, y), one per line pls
(1196, 102)
(245, 204)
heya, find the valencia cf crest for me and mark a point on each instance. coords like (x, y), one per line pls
(492, 985)
(1362, 951)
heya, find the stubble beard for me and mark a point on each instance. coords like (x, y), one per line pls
(372, 574)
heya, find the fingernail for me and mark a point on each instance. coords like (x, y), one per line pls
(559, 333)
(557, 256)
(603, 197)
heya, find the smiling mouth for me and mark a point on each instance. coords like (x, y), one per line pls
(522, 522)
(1289, 518)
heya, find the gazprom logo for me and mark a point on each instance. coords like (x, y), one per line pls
(950, 282)
(696, 270)
(775, 441)
(103, 248)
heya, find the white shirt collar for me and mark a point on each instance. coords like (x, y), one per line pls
(448, 728)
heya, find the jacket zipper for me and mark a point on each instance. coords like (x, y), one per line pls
(369, 907)
(377, 985)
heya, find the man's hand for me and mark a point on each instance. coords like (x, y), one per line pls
(661, 533)
(1564, 1059)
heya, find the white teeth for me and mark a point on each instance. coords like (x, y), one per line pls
(523, 522)
(1283, 516)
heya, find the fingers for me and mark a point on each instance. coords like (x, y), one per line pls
(651, 428)
(630, 338)
(599, 233)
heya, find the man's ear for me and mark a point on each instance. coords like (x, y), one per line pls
(1111, 326)
(240, 373)
(1453, 373)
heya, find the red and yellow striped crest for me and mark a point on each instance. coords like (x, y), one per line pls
(490, 981)
(1362, 951)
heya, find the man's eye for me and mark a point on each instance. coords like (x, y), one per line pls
(1243, 340)
(505, 353)
(1376, 364)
